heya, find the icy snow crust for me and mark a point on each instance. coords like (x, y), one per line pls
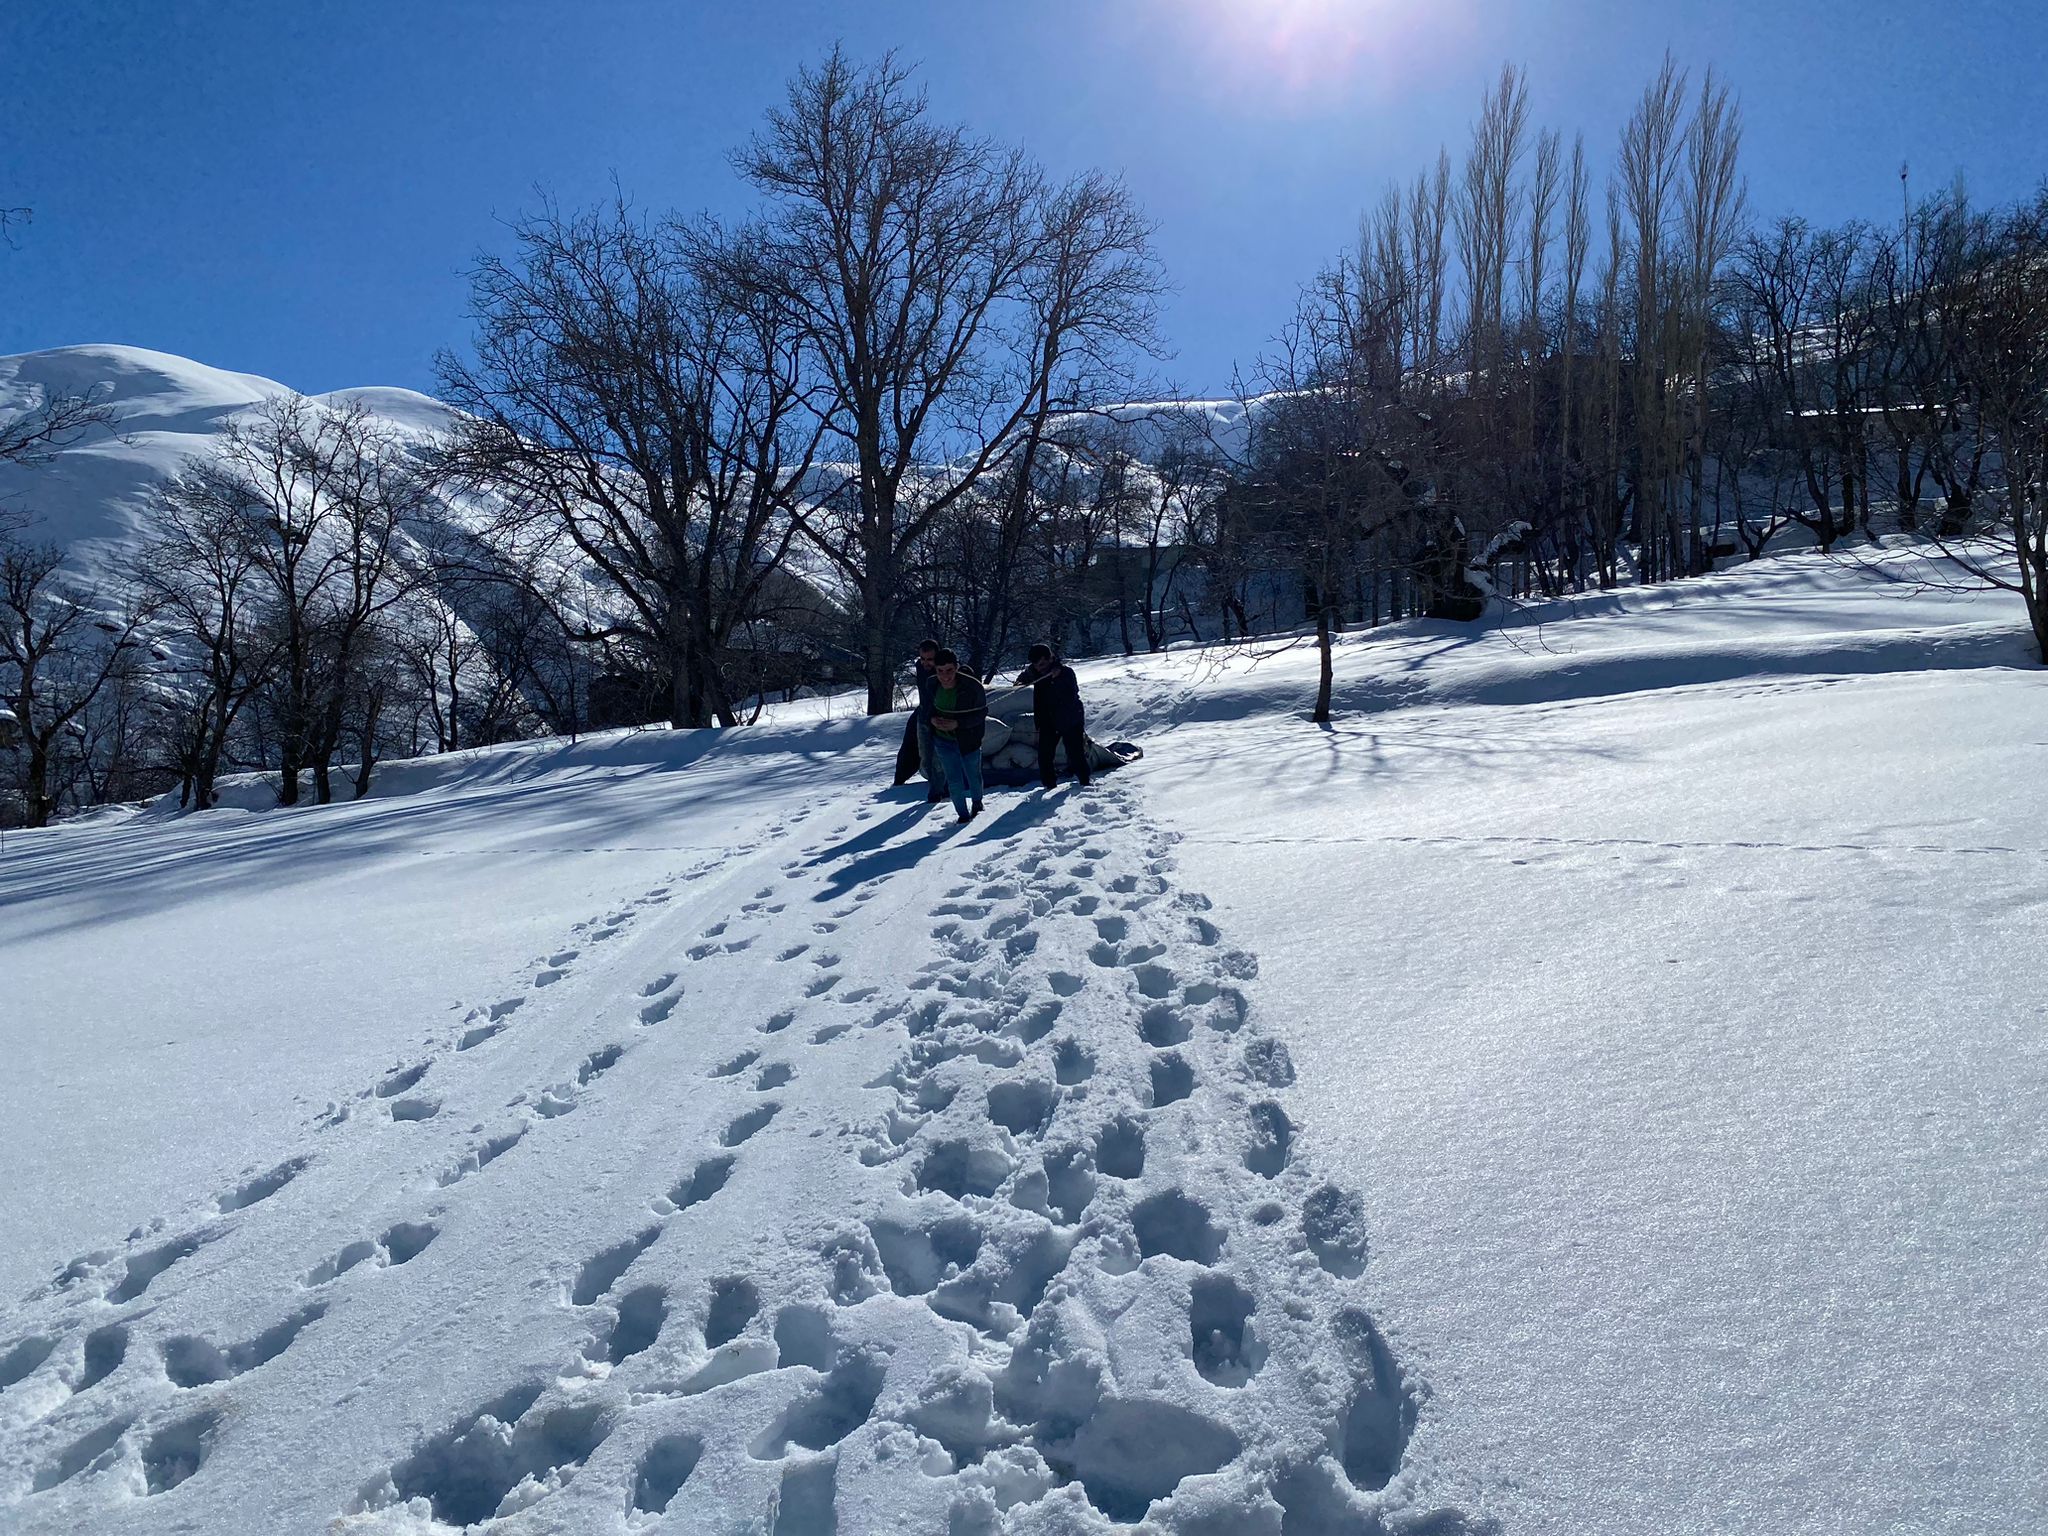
(1602, 1095)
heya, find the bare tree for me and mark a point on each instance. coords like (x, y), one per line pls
(1333, 463)
(1801, 291)
(52, 422)
(1485, 215)
(1608, 510)
(2002, 362)
(1429, 205)
(1159, 519)
(1652, 146)
(1543, 193)
(1578, 236)
(323, 492)
(203, 572)
(636, 408)
(1713, 208)
(62, 648)
(950, 298)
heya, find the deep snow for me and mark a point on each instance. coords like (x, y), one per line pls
(1643, 994)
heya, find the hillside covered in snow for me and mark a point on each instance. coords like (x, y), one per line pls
(93, 496)
(1594, 1084)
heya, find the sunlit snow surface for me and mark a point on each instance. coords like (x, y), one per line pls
(1595, 1085)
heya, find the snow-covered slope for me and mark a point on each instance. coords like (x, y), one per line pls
(92, 498)
(1594, 1086)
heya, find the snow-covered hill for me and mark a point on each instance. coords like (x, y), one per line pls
(1595, 1085)
(92, 498)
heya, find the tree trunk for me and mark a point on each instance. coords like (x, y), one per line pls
(685, 708)
(203, 774)
(1322, 709)
(37, 806)
(881, 673)
(1123, 604)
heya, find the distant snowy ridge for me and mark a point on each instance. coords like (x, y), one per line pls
(92, 497)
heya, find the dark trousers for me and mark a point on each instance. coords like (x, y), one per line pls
(1074, 739)
(928, 759)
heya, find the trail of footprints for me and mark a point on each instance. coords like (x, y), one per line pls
(1081, 1133)
(1045, 1166)
(1043, 1190)
(170, 1453)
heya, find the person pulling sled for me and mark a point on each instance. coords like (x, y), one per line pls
(919, 752)
(959, 720)
(1056, 708)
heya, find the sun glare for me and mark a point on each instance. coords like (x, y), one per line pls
(1302, 51)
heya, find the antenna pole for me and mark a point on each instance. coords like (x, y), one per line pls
(1905, 208)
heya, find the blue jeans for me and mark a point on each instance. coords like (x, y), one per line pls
(963, 771)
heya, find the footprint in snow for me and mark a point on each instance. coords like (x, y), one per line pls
(748, 1125)
(260, 1188)
(142, 1269)
(704, 1181)
(192, 1361)
(465, 1473)
(554, 1102)
(601, 1271)
(398, 1082)
(641, 1314)
(399, 1244)
(481, 1156)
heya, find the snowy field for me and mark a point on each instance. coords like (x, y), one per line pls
(1596, 1085)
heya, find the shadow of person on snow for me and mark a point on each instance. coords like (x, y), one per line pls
(873, 852)
(1029, 810)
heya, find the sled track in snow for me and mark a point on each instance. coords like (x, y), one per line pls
(1074, 1267)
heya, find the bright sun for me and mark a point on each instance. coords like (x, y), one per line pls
(1307, 47)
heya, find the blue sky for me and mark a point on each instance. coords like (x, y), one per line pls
(295, 189)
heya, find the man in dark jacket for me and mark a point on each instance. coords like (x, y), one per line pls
(1056, 707)
(927, 748)
(959, 716)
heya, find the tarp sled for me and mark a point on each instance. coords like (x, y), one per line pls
(1009, 748)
